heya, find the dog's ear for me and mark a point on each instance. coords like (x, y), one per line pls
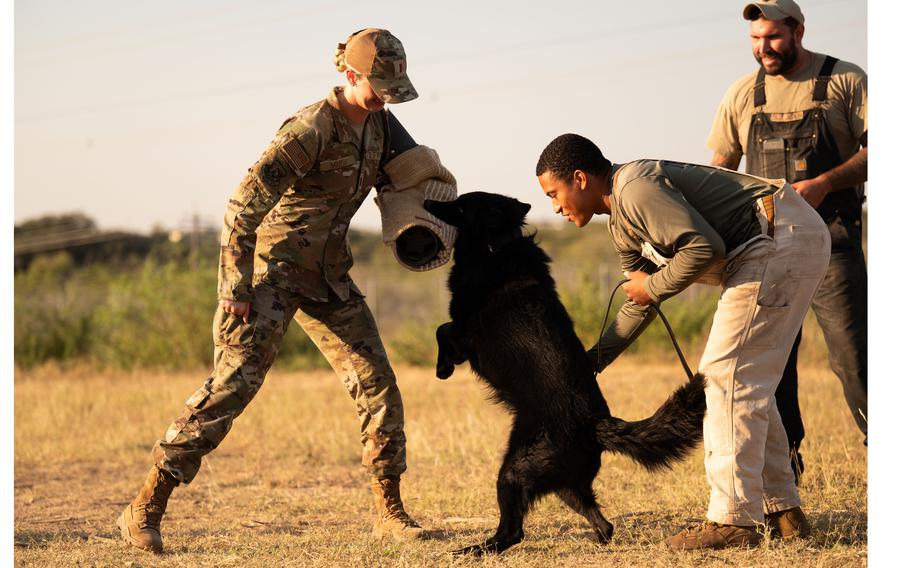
(518, 208)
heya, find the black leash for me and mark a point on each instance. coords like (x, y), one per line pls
(682, 358)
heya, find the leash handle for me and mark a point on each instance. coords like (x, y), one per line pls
(679, 353)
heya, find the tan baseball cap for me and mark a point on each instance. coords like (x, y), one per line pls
(380, 56)
(774, 10)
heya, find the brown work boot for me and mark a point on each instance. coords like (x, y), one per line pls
(713, 535)
(140, 522)
(787, 524)
(393, 520)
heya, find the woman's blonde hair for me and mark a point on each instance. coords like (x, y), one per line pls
(340, 61)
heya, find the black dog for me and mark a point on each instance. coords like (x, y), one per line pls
(507, 320)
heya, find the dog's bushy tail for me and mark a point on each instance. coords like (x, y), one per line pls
(667, 436)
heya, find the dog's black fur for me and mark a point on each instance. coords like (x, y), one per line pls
(507, 320)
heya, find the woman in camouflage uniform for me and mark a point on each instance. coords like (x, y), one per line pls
(284, 255)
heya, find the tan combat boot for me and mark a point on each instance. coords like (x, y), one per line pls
(393, 520)
(713, 535)
(787, 524)
(140, 522)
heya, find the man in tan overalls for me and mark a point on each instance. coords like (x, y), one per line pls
(284, 255)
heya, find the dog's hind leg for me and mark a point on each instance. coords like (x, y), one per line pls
(515, 495)
(582, 501)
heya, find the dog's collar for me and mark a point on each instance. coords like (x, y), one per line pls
(497, 244)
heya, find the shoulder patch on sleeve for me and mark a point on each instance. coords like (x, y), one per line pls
(297, 155)
(271, 172)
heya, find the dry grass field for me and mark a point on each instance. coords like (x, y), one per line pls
(286, 487)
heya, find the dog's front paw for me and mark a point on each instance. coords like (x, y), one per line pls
(490, 546)
(604, 534)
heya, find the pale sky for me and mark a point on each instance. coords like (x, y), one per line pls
(143, 114)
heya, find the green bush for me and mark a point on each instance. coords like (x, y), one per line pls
(157, 312)
(414, 344)
(153, 314)
(54, 303)
(159, 315)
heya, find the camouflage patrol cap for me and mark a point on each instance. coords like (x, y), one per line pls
(380, 56)
(774, 10)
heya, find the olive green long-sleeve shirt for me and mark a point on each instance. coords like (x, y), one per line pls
(691, 216)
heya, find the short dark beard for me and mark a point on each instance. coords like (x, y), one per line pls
(787, 59)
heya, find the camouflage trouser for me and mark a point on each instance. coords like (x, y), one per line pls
(347, 336)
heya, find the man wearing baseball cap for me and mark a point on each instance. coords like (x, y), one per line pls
(800, 116)
(289, 217)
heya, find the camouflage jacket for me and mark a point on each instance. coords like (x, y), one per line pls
(286, 223)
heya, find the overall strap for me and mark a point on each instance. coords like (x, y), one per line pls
(820, 94)
(821, 83)
(758, 94)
